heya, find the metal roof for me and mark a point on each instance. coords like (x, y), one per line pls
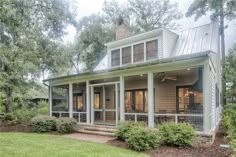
(191, 43)
(196, 40)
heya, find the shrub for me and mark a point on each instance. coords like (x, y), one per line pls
(124, 128)
(42, 108)
(181, 134)
(43, 124)
(141, 139)
(229, 119)
(25, 114)
(65, 125)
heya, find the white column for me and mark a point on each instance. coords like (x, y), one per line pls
(92, 104)
(122, 101)
(116, 103)
(71, 100)
(50, 100)
(87, 102)
(104, 102)
(206, 100)
(150, 100)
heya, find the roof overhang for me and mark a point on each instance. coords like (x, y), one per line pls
(159, 65)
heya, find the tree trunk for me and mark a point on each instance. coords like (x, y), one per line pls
(222, 34)
(8, 102)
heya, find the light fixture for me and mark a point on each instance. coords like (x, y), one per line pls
(141, 75)
(188, 69)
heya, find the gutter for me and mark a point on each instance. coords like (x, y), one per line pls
(157, 61)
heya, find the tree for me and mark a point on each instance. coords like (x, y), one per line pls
(230, 73)
(94, 31)
(145, 14)
(219, 10)
(30, 42)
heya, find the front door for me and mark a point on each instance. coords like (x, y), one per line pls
(104, 105)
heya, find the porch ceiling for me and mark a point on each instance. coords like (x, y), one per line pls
(155, 66)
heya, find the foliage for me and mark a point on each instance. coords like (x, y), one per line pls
(230, 72)
(144, 15)
(229, 123)
(96, 30)
(124, 128)
(229, 119)
(42, 108)
(65, 125)
(38, 145)
(43, 124)
(30, 43)
(141, 138)
(180, 135)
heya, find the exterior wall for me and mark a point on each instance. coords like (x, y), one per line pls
(169, 41)
(165, 92)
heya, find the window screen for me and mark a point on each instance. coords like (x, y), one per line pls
(151, 49)
(126, 55)
(115, 57)
(138, 52)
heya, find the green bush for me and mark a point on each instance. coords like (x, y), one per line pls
(43, 124)
(229, 119)
(65, 125)
(141, 139)
(180, 135)
(42, 108)
(25, 114)
(124, 128)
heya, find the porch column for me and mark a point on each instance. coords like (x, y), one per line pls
(122, 101)
(92, 104)
(71, 100)
(104, 101)
(206, 99)
(116, 98)
(87, 102)
(150, 100)
(50, 100)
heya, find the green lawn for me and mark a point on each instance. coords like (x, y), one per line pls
(43, 145)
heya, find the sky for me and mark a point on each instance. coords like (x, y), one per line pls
(88, 7)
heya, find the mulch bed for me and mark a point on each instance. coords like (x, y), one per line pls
(6, 127)
(213, 150)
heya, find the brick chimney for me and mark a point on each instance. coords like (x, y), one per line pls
(122, 28)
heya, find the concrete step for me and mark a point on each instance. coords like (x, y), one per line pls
(101, 133)
(102, 129)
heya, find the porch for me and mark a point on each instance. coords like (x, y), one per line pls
(152, 97)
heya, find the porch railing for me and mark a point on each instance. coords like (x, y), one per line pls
(196, 120)
(81, 117)
(137, 117)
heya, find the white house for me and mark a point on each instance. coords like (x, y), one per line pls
(155, 77)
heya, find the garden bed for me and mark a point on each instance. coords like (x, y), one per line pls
(213, 150)
(7, 127)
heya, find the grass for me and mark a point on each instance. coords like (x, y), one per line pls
(41, 145)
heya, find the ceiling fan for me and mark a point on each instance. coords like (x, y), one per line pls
(165, 77)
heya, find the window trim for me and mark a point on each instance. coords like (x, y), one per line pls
(158, 38)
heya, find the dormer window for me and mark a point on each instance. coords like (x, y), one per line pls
(115, 57)
(139, 52)
(134, 53)
(126, 55)
(151, 49)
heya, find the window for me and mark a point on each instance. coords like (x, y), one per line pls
(115, 57)
(136, 101)
(126, 55)
(138, 52)
(78, 102)
(151, 49)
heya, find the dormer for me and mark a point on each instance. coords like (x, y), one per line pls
(141, 48)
